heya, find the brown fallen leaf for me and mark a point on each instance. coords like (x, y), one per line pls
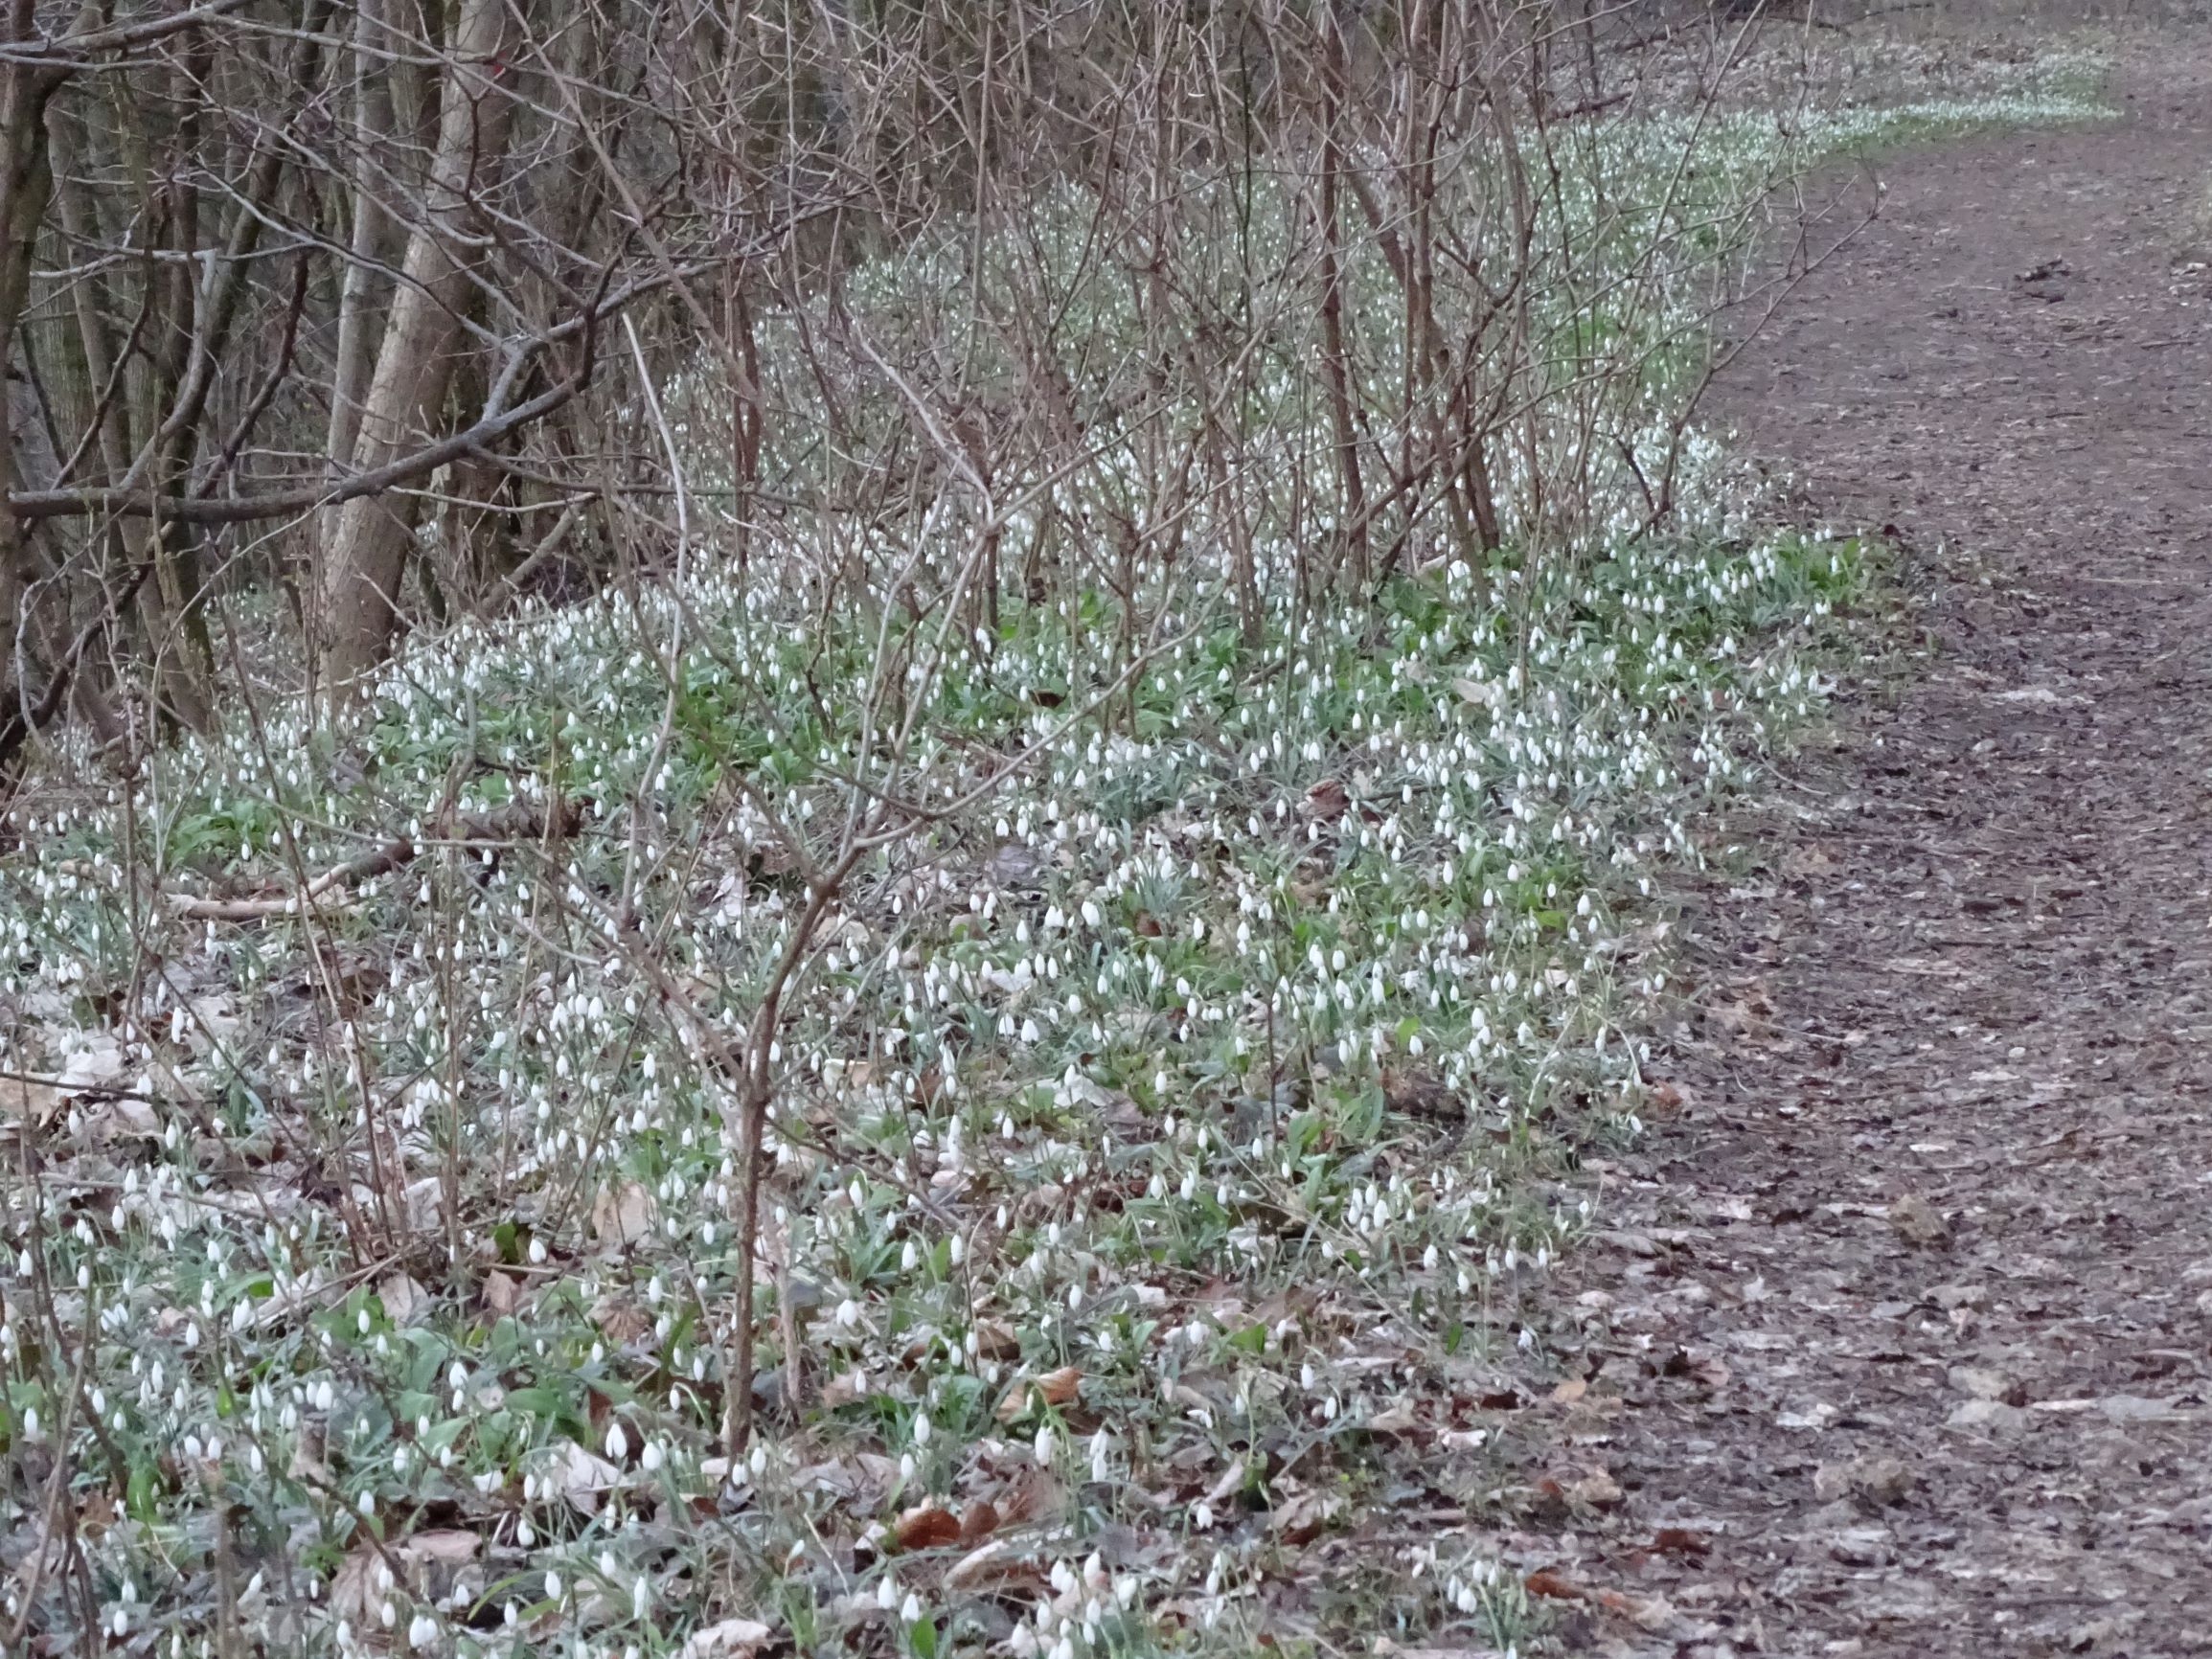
(120, 1117)
(1302, 1519)
(96, 1512)
(362, 1583)
(1035, 1394)
(36, 1099)
(997, 1568)
(1598, 1490)
(582, 1477)
(622, 1213)
(1035, 1497)
(1399, 1421)
(1648, 1612)
(1327, 800)
(619, 1319)
(1679, 1541)
(729, 1639)
(978, 1521)
(502, 1294)
(1918, 1221)
(926, 1527)
(1877, 1481)
(447, 1544)
(405, 1301)
(1228, 1483)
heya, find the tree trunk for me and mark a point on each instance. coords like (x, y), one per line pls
(406, 399)
(364, 283)
(26, 181)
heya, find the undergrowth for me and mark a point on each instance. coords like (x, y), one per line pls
(1170, 1134)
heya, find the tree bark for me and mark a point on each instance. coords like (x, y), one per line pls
(364, 283)
(26, 182)
(406, 399)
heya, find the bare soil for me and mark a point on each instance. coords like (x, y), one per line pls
(1900, 1338)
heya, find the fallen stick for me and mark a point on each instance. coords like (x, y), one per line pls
(519, 821)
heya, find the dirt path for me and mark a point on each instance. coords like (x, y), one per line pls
(1908, 1313)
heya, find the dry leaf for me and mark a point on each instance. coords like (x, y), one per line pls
(730, 1639)
(1034, 1394)
(96, 1513)
(1327, 800)
(622, 1213)
(114, 1120)
(1650, 1612)
(1035, 1497)
(447, 1544)
(619, 1319)
(97, 1066)
(995, 1567)
(1878, 1480)
(1596, 1491)
(1918, 1221)
(502, 1294)
(361, 1585)
(33, 1097)
(924, 1527)
(405, 1301)
(979, 1520)
(1301, 1520)
(1399, 1420)
(307, 1461)
(582, 1477)
(425, 1201)
(1230, 1482)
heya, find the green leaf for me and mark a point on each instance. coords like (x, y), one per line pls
(143, 1495)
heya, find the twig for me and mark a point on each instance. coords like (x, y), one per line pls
(520, 821)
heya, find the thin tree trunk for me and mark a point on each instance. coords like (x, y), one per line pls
(365, 282)
(406, 399)
(26, 182)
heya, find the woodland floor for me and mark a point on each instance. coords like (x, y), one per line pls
(1900, 1339)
